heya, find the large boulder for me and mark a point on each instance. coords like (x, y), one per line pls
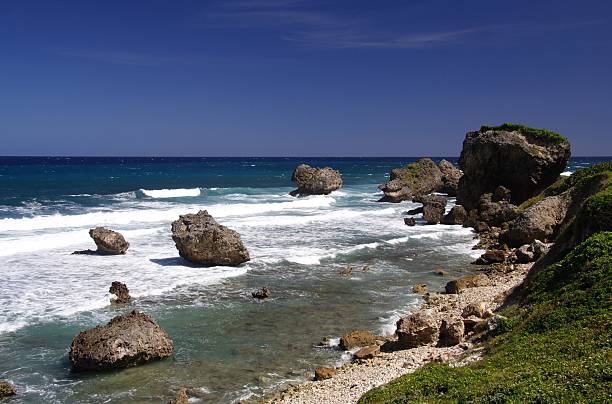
(522, 159)
(433, 208)
(413, 180)
(465, 282)
(539, 221)
(457, 215)
(109, 242)
(450, 178)
(128, 340)
(416, 330)
(451, 332)
(358, 338)
(495, 213)
(201, 240)
(315, 181)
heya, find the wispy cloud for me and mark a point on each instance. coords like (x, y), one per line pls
(126, 57)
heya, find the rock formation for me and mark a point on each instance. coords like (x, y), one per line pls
(451, 332)
(6, 389)
(324, 373)
(395, 191)
(128, 340)
(180, 398)
(109, 242)
(315, 181)
(450, 178)
(468, 281)
(457, 215)
(433, 208)
(358, 338)
(121, 292)
(201, 240)
(413, 180)
(262, 293)
(416, 330)
(368, 352)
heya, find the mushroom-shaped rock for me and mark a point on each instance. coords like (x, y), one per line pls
(522, 159)
(121, 292)
(315, 181)
(417, 330)
(395, 191)
(128, 340)
(109, 242)
(201, 240)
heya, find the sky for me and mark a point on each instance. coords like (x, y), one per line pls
(297, 77)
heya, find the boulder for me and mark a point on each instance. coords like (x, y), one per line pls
(420, 288)
(524, 254)
(481, 227)
(201, 240)
(395, 191)
(416, 330)
(433, 208)
(368, 352)
(523, 160)
(540, 221)
(450, 178)
(358, 338)
(494, 256)
(6, 389)
(414, 180)
(315, 181)
(457, 215)
(121, 292)
(465, 282)
(539, 248)
(502, 193)
(410, 221)
(109, 242)
(128, 340)
(180, 398)
(478, 309)
(415, 211)
(262, 293)
(451, 332)
(324, 373)
(495, 213)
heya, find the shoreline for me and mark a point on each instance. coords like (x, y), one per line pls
(354, 379)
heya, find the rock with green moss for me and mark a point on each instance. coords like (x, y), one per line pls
(413, 180)
(524, 160)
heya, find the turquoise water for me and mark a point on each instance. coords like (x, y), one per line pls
(227, 345)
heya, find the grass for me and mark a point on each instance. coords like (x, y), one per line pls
(543, 134)
(555, 346)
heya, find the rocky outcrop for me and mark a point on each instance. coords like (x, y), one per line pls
(410, 221)
(201, 240)
(476, 309)
(416, 330)
(262, 293)
(6, 389)
(109, 242)
(451, 332)
(121, 292)
(128, 340)
(315, 181)
(395, 191)
(368, 352)
(495, 213)
(540, 221)
(457, 215)
(465, 282)
(413, 180)
(433, 208)
(324, 373)
(524, 160)
(358, 338)
(450, 178)
(420, 289)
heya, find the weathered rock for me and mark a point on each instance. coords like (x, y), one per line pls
(433, 208)
(451, 332)
(457, 215)
(315, 181)
(495, 213)
(201, 240)
(6, 389)
(420, 288)
(180, 398)
(478, 309)
(465, 282)
(410, 221)
(539, 221)
(368, 352)
(324, 373)
(262, 293)
(524, 254)
(121, 292)
(416, 330)
(358, 338)
(539, 248)
(415, 211)
(481, 227)
(471, 322)
(128, 340)
(108, 242)
(395, 191)
(523, 162)
(420, 178)
(494, 256)
(502, 193)
(450, 178)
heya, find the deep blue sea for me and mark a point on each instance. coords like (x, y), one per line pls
(228, 347)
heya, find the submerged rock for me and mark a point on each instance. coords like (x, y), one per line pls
(128, 340)
(358, 338)
(315, 181)
(433, 208)
(109, 242)
(420, 288)
(410, 221)
(263, 293)
(121, 292)
(201, 240)
(523, 160)
(6, 389)
(416, 330)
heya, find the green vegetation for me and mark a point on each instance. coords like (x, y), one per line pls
(555, 347)
(543, 134)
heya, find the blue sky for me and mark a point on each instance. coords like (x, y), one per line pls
(298, 78)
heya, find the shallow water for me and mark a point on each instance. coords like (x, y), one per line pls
(228, 346)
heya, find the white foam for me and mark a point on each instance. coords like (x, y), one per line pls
(566, 173)
(171, 193)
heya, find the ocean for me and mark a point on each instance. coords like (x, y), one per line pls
(228, 346)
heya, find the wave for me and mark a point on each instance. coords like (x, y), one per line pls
(171, 193)
(566, 173)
